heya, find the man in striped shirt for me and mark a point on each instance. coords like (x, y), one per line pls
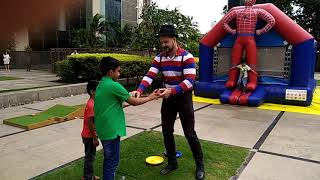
(178, 68)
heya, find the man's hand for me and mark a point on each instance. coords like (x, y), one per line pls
(135, 94)
(165, 93)
(154, 95)
(95, 141)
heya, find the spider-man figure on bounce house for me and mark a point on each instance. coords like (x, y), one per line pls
(302, 81)
(246, 20)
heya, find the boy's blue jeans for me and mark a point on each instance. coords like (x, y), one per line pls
(242, 82)
(111, 152)
(90, 153)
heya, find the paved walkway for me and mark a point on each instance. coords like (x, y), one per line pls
(317, 76)
(283, 145)
(31, 79)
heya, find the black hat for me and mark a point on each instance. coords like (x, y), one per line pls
(167, 30)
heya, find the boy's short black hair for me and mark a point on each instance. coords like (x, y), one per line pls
(92, 85)
(107, 64)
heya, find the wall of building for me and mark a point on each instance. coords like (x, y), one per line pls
(96, 7)
(139, 10)
(129, 12)
(21, 39)
(62, 26)
(103, 7)
(78, 15)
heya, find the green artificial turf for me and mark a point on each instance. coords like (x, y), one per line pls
(221, 161)
(60, 110)
(55, 111)
(7, 78)
(29, 119)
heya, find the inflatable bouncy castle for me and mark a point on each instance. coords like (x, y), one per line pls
(280, 65)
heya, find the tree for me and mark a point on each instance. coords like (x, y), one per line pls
(119, 37)
(97, 31)
(94, 37)
(152, 19)
(283, 5)
(112, 31)
(308, 16)
(103, 33)
(79, 38)
(125, 36)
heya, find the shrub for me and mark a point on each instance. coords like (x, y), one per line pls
(83, 67)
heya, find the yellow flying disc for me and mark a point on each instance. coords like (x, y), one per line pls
(154, 160)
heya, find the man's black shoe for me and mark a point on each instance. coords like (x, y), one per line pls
(199, 173)
(168, 169)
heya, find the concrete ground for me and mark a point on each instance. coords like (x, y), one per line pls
(35, 78)
(317, 76)
(283, 145)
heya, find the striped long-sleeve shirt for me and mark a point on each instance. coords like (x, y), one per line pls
(172, 72)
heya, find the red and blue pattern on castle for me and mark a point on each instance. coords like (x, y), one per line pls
(178, 74)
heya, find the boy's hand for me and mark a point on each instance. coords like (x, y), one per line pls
(95, 141)
(154, 95)
(135, 94)
(161, 90)
(125, 104)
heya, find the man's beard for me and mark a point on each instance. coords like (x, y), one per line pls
(167, 49)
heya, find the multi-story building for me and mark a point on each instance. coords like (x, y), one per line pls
(79, 13)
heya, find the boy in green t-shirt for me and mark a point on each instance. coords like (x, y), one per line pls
(109, 115)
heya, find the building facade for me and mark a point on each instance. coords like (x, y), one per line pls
(77, 15)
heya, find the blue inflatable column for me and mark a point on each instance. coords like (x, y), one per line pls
(303, 63)
(206, 63)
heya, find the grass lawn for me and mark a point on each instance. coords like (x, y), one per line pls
(55, 111)
(221, 161)
(6, 78)
(318, 82)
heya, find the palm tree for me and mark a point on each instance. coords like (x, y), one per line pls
(97, 31)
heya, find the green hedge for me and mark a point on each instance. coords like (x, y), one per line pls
(83, 67)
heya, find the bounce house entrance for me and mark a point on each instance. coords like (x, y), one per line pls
(273, 62)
